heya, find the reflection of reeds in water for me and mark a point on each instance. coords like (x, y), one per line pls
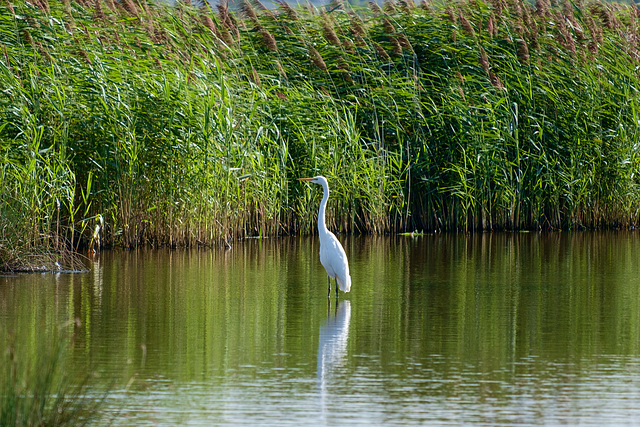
(36, 389)
(332, 345)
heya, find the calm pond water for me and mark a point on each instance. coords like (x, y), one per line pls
(492, 329)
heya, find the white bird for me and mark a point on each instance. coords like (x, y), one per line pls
(332, 255)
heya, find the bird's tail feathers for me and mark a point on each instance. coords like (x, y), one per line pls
(346, 285)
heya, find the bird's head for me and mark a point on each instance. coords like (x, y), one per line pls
(316, 179)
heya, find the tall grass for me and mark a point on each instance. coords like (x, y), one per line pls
(133, 123)
(38, 388)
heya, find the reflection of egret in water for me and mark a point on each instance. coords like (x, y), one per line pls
(332, 346)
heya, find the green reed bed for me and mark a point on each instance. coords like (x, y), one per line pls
(132, 123)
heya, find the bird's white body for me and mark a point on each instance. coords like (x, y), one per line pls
(332, 254)
(334, 260)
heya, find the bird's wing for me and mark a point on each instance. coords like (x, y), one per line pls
(337, 258)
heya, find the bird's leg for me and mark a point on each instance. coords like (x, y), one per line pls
(336, 289)
(329, 293)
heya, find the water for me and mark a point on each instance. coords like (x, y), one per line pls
(438, 329)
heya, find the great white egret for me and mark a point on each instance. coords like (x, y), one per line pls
(332, 255)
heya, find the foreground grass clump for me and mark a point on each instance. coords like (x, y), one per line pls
(134, 123)
(37, 386)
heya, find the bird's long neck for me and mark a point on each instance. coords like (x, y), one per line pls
(322, 227)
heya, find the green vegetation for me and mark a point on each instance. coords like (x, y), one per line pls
(35, 388)
(132, 123)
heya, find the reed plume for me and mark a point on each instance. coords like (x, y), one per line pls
(317, 60)
(466, 25)
(98, 12)
(389, 6)
(268, 40)
(249, 12)
(377, 11)
(329, 33)
(289, 11)
(523, 51)
(383, 54)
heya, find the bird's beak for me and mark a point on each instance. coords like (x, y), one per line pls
(305, 179)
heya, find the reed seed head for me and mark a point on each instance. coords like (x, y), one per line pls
(491, 29)
(484, 61)
(542, 8)
(269, 40)
(523, 51)
(98, 12)
(375, 8)
(466, 25)
(381, 52)
(389, 6)
(208, 22)
(255, 78)
(404, 42)
(461, 92)
(397, 48)
(451, 15)
(495, 80)
(388, 26)
(497, 6)
(356, 27)
(329, 34)
(289, 11)
(10, 7)
(317, 60)
(248, 11)
(130, 7)
(27, 36)
(281, 70)
(407, 6)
